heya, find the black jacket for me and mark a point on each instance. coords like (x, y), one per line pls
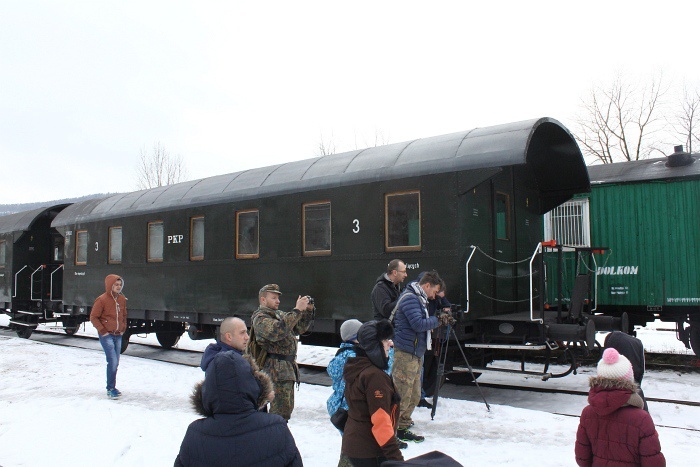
(234, 432)
(384, 296)
(633, 349)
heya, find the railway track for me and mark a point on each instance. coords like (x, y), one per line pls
(310, 374)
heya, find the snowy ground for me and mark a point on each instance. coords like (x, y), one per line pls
(53, 411)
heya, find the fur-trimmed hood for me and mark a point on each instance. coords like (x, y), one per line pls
(233, 384)
(607, 394)
(370, 336)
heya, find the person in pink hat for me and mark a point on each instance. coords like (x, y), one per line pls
(614, 428)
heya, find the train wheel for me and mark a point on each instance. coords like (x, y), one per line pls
(25, 332)
(695, 338)
(167, 339)
(125, 341)
(70, 327)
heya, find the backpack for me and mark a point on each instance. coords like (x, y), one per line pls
(255, 350)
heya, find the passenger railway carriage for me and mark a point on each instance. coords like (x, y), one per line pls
(467, 204)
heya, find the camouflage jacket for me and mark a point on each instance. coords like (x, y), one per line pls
(276, 331)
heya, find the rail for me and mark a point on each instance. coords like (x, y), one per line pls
(51, 286)
(595, 282)
(538, 249)
(466, 266)
(31, 283)
(14, 295)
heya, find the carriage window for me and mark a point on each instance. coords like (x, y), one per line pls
(58, 244)
(197, 238)
(569, 224)
(81, 245)
(402, 221)
(115, 245)
(502, 216)
(247, 234)
(2, 254)
(155, 241)
(317, 229)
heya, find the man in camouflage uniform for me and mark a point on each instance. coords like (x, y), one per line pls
(276, 332)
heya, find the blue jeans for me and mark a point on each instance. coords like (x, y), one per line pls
(112, 346)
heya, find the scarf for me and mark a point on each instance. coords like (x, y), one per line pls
(423, 298)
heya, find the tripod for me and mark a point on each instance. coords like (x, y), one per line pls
(442, 359)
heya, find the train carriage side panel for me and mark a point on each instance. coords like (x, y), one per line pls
(653, 231)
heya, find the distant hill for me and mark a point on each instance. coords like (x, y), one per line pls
(13, 208)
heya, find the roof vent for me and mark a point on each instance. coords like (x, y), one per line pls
(679, 158)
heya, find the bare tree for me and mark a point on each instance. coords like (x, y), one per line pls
(326, 147)
(618, 122)
(380, 139)
(159, 168)
(686, 121)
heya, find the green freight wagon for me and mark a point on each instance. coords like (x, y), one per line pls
(648, 214)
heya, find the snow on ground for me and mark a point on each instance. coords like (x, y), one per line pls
(54, 411)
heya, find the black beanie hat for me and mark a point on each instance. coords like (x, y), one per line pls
(370, 336)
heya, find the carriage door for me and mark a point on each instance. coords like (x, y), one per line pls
(503, 244)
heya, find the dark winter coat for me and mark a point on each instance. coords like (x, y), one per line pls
(614, 430)
(630, 347)
(633, 349)
(384, 296)
(373, 411)
(213, 350)
(411, 321)
(234, 432)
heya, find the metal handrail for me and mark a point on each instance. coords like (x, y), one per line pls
(51, 292)
(466, 266)
(23, 268)
(31, 283)
(538, 249)
(595, 278)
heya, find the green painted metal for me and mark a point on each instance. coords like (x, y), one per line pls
(653, 267)
(653, 230)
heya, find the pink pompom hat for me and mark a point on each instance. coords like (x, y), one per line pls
(615, 366)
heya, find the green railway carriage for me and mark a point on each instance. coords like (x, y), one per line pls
(648, 213)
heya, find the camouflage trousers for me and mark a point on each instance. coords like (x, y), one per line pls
(406, 376)
(344, 461)
(283, 404)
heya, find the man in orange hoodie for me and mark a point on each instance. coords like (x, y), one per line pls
(108, 315)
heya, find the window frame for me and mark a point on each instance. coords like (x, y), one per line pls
(581, 221)
(247, 255)
(303, 229)
(77, 247)
(148, 242)
(3, 253)
(418, 247)
(109, 246)
(192, 221)
(507, 198)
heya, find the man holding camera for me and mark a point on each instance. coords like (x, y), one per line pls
(275, 333)
(412, 326)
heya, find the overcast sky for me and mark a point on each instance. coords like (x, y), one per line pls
(232, 85)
